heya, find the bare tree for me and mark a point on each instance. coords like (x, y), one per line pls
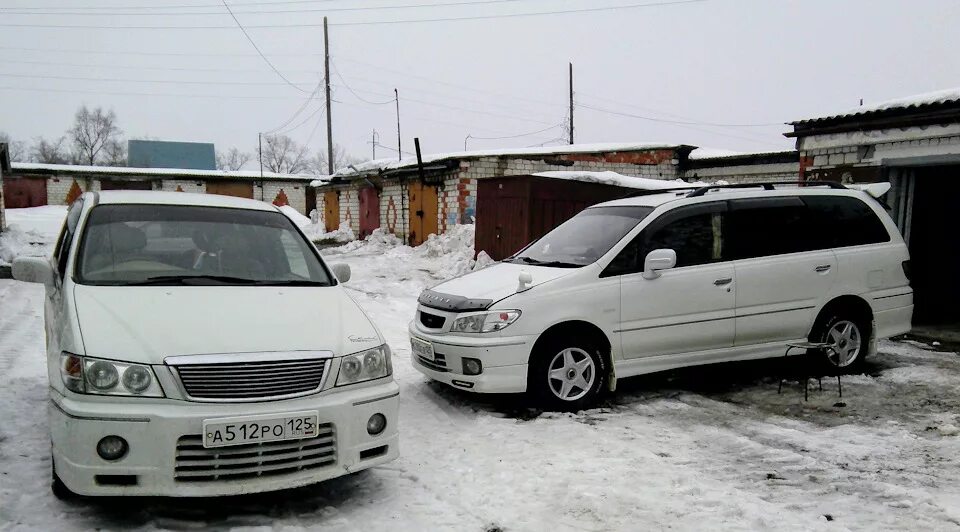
(92, 131)
(15, 148)
(114, 153)
(50, 151)
(233, 159)
(284, 155)
(341, 159)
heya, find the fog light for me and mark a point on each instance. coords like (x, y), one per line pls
(112, 448)
(472, 366)
(376, 424)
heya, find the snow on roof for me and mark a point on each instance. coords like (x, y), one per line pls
(620, 180)
(120, 170)
(713, 153)
(917, 100)
(378, 165)
(181, 198)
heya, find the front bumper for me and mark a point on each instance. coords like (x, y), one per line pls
(153, 429)
(504, 361)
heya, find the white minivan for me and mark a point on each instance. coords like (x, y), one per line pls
(668, 279)
(198, 345)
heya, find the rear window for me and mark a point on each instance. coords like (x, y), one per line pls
(169, 244)
(761, 227)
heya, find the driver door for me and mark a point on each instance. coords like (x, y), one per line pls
(688, 308)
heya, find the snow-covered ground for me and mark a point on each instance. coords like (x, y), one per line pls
(699, 449)
(30, 231)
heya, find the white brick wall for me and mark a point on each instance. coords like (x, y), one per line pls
(393, 209)
(59, 187)
(182, 185)
(747, 173)
(350, 208)
(295, 192)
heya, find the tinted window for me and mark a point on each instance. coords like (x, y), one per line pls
(694, 234)
(166, 244)
(62, 251)
(583, 239)
(840, 221)
(760, 227)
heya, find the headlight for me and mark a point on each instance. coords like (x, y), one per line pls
(365, 365)
(106, 377)
(485, 321)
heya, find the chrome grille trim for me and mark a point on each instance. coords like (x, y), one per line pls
(250, 376)
(194, 463)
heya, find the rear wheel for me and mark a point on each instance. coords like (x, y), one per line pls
(567, 375)
(849, 338)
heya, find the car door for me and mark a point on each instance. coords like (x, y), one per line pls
(55, 306)
(687, 308)
(784, 268)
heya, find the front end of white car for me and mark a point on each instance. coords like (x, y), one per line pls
(166, 446)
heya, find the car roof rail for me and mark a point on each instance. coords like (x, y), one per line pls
(767, 185)
(653, 191)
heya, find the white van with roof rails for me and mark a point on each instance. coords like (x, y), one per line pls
(668, 279)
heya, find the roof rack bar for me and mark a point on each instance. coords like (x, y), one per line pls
(651, 191)
(767, 185)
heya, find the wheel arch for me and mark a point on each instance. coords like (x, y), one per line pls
(578, 329)
(845, 303)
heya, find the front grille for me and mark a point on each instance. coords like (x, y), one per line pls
(194, 463)
(252, 379)
(432, 321)
(439, 363)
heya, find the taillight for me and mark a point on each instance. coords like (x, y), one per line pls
(906, 269)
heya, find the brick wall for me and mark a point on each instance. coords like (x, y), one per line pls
(181, 185)
(350, 208)
(393, 212)
(290, 193)
(61, 187)
(751, 173)
(3, 216)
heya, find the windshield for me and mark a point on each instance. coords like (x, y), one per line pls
(174, 245)
(583, 239)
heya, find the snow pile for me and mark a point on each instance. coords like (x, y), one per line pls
(377, 240)
(453, 251)
(483, 260)
(295, 216)
(315, 232)
(31, 232)
(620, 180)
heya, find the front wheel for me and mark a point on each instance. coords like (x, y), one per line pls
(567, 376)
(60, 490)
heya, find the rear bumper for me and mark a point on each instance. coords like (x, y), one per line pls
(504, 361)
(153, 430)
(892, 322)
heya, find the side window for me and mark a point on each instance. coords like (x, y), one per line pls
(841, 221)
(695, 233)
(62, 252)
(762, 227)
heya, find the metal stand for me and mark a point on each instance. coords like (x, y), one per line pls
(807, 346)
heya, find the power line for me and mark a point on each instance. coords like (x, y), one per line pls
(146, 94)
(362, 99)
(162, 54)
(518, 135)
(359, 23)
(140, 67)
(298, 111)
(54, 11)
(257, 48)
(677, 122)
(131, 80)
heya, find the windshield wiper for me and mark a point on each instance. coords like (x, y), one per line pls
(292, 282)
(547, 263)
(192, 280)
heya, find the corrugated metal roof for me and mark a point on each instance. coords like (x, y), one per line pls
(917, 102)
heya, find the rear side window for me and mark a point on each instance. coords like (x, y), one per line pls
(62, 251)
(841, 221)
(762, 227)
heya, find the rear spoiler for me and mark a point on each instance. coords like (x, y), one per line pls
(875, 190)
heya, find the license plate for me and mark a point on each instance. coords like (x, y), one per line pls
(421, 348)
(222, 432)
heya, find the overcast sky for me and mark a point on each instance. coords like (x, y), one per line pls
(703, 62)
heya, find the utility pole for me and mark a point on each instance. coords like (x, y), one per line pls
(571, 103)
(260, 156)
(373, 142)
(396, 98)
(326, 70)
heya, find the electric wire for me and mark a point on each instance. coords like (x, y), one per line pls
(257, 48)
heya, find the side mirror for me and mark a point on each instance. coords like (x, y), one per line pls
(658, 259)
(342, 271)
(33, 270)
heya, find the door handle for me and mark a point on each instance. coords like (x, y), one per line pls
(723, 282)
(822, 268)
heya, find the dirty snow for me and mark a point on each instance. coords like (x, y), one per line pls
(713, 448)
(620, 180)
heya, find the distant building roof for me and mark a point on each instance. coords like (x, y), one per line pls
(920, 109)
(710, 158)
(382, 165)
(166, 154)
(157, 173)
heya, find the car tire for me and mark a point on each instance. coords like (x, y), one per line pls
(567, 375)
(59, 489)
(849, 333)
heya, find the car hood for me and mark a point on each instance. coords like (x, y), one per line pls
(147, 324)
(498, 281)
